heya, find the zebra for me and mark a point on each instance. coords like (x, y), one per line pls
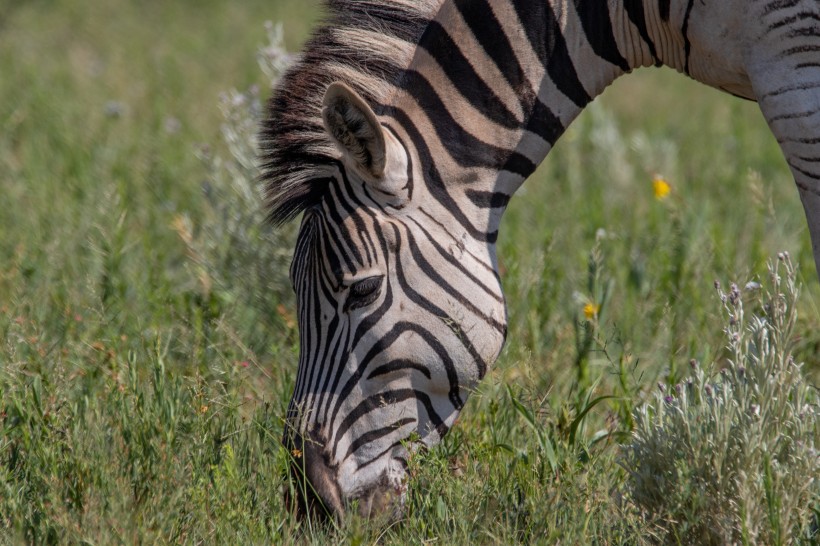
(400, 135)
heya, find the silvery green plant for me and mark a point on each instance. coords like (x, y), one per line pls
(732, 457)
(242, 262)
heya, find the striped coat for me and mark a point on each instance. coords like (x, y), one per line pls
(402, 133)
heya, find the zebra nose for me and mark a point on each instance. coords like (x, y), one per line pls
(313, 490)
(382, 501)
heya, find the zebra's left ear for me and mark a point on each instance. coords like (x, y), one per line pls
(351, 123)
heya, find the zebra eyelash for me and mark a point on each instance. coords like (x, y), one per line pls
(364, 292)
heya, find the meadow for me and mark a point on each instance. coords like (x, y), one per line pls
(147, 336)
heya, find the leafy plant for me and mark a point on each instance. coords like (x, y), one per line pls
(733, 458)
(241, 261)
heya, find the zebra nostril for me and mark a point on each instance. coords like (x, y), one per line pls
(313, 490)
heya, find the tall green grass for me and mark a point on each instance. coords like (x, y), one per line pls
(147, 341)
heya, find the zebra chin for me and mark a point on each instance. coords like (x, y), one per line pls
(315, 491)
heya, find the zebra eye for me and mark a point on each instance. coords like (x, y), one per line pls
(363, 292)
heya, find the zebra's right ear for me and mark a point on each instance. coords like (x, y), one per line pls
(351, 123)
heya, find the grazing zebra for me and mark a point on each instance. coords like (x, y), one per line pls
(401, 134)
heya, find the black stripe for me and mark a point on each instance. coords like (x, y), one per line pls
(364, 326)
(545, 35)
(446, 229)
(808, 48)
(309, 292)
(457, 264)
(544, 123)
(687, 45)
(634, 9)
(434, 309)
(799, 140)
(334, 233)
(794, 115)
(351, 211)
(389, 398)
(373, 435)
(805, 188)
(435, 185)
(479, 16)
(810, 31)
(809, 174)
(378, 348)
(597, 26)
(802, 16)
(802, 86)
(409, 186)
(337, 359)
(442, 283)
(322, 350)
(391, 447)
(464, 77)
(354, 209)
(397, 366)
(780, 4)
(663, 8)
(463, 146)
(488, 199)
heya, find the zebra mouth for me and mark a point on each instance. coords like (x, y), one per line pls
(384, 501)
(314, 491)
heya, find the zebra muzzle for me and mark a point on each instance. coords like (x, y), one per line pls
(313, 490)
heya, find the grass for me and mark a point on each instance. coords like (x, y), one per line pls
(143, 376)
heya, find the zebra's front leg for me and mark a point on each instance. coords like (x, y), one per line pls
(810, 196)
(791, 106)
(782, 60)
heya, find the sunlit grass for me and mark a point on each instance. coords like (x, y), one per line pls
(147, 349)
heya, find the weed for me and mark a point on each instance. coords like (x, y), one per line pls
(147, 338)
(733, 457)
(241, 261)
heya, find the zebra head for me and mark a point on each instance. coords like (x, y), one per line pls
(400, 313)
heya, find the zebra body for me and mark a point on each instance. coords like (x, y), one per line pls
(402, 133)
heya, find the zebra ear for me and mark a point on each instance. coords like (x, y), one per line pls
(353, 126)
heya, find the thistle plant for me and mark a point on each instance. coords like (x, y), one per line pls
(732, 457)
(241, 261)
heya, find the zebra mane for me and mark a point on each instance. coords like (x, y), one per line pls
(366, 44)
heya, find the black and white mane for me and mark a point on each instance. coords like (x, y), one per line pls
(366, 44)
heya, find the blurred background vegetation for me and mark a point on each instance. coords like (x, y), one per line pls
(146, 357)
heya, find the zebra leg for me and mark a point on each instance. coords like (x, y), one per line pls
(790, 101)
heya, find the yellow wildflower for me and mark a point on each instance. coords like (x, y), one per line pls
(296, 453)
(661, 187)
(591, 310)
(203, 408)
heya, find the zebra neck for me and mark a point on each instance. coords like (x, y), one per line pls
(494, 84)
